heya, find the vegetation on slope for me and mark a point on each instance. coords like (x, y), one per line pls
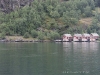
(49, 19)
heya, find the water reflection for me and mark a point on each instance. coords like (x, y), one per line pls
(68, 58)
(83, 57)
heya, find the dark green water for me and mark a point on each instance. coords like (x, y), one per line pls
(50, 58)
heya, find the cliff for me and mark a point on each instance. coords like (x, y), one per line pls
(10, 5)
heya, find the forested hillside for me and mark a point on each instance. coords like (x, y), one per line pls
(48, 19)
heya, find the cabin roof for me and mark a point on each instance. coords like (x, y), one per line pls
(69, 35)
(78, 35)
(85, 34)
(94, 34)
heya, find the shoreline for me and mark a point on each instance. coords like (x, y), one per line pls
(25, 40)
(21, 39)
(5, 40)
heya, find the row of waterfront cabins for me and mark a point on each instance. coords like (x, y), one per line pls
(80, 37)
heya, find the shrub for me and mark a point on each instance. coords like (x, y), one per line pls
(26, 35)
(34, 33)
(41, 36)
(2, 36)
(54, 35)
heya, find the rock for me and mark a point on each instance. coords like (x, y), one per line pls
(10, 5)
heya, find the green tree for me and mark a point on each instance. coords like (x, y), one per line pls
(91, 4)
(34, 33)
(41, 35)
(88, 11)
(54, 35)
(20, 26)
(4, 29)
(54, 14)
(2, 35)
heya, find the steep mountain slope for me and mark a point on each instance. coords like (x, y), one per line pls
(10, 5)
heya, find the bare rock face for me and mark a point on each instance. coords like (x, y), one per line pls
(10, 5)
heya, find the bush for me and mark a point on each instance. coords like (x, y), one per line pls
(87, 11)
(54, 35)
(41, 36)
(2, 36)
(26, 35)
(34, 33)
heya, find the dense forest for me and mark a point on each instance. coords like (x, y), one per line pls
(49, 19)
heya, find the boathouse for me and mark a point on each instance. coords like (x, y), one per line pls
(77, 37)
(94, 36)
(85, 37)
(67, 37)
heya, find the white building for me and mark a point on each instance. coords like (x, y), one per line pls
(77, 37)
(94, 36)
(85, 37)
(67, 37)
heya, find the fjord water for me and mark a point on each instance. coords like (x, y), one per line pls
(68, 58)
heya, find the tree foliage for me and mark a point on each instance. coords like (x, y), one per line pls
(50, 15)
